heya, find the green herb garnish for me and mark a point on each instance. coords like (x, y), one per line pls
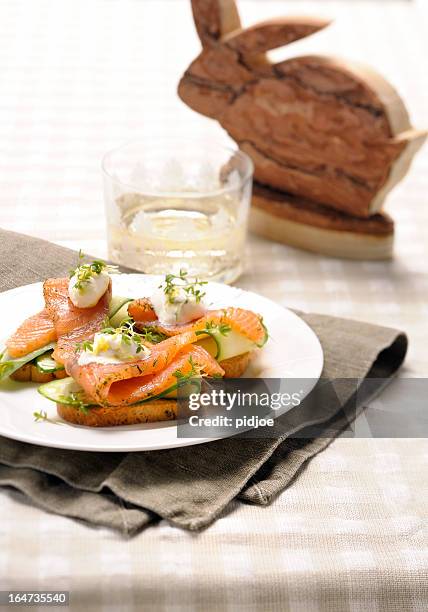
(151, 335)
(126, 331)
(76, 399)
(86, 345)
(189, 286)
(222, 328)
(129, 335)
(42, 416)
(84, 272)
(183, 378)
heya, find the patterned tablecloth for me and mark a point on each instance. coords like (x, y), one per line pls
(78, 78)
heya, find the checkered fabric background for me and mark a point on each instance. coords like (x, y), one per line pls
(78, 77)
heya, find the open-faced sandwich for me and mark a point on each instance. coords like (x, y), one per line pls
(118, 361)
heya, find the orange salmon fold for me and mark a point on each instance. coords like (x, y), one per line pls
(122, 384)
(72, 325)
(240, 320)
(34, 333)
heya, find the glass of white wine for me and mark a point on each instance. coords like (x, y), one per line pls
(174, 205)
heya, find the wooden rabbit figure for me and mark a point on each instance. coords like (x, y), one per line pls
(329, 139)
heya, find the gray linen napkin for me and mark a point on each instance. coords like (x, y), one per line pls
(190, 487)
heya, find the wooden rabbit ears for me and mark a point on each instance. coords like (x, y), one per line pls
(214, 19)
(218, 21)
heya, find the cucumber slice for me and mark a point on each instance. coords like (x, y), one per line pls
(117, 303)
(266, 338)
(67, 391)
(233, 344)
(8, 365)
(210, 343)
(63, 391)
(228, 345)
(121, 314)
(46, 364)
(191, 386)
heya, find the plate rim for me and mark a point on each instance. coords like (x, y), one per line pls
(181, 442)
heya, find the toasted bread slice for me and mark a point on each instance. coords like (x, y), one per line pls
(306, 225)
(30, 373)
(23, 374)
(157, 410)
(41, 377)
(236, 366)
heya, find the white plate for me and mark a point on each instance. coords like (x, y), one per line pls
(293, 352)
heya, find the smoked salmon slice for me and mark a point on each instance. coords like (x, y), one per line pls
(122, 384)
(34, 333)
(243, 321)
(142, 310)
(72, 325)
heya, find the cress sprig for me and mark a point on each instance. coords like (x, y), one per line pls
(75, 399)
(189, 286)
(222, 328)
(85, 271)
(126, 331)
(151, 335)
(86, 345)
(42, 416)
(182, 378)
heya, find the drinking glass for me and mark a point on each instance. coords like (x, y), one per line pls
(174, 205)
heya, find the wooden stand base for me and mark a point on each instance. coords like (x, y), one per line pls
(303, 224)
